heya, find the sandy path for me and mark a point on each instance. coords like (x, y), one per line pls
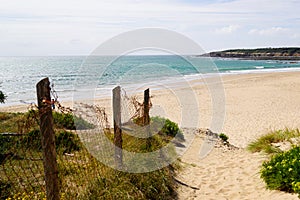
(255, 104)
(224, 175)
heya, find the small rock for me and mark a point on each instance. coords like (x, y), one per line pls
(225, 145)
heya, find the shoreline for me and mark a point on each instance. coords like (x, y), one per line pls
(171, 82)
(259, 102)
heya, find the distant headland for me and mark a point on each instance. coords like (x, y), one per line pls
(286, 53)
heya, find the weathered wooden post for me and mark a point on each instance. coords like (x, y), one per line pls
(48, 139)
(117, 126)
(146, 116)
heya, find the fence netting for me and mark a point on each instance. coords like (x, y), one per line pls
(21, 160)
(79, 169)
(132, 107)
(21, 156)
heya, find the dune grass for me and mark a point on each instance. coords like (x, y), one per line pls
(281, 170)
(81, 176)
(264, 143)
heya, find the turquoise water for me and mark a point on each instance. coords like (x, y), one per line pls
(19, 75)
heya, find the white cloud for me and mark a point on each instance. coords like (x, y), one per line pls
(296, 35)
(269, 31)
(86, 23)
(227, 29)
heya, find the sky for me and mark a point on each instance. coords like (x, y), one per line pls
(77, 27)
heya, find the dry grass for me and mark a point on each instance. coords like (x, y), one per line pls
(264, 143)
(81, 175)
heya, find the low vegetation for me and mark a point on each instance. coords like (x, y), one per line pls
(81, 175)
(282, 170)
(166, 127)
(224, 137)
(287, 50)
(266, 142)
(69, 121)
(2, 97)
(288, 53)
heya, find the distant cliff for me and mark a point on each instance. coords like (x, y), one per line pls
(289, 53)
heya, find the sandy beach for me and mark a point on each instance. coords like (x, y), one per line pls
(254, 104)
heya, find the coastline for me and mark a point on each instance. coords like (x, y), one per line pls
(262, 101)
(279, 58)
(281, 53)
(170, 82)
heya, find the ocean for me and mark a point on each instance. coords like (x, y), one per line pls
(68, 74)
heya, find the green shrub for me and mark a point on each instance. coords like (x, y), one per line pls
(69, 121)
(157, 123)
(282, 172)
(224, 137)
(166, 126)
(2, 97)
(6, 116)
(6, 147)
(5, 143)
(5, 189)
(63, 120)
(67, 142)
(81, 124)
(9, 122)
(32, 140)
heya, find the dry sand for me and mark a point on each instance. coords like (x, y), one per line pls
(254, 104)
(224, 174)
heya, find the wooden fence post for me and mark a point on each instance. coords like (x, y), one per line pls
(117, 126)
(146, 116)
(48, 139)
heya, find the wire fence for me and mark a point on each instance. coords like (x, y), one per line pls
(22, 152)
(23, 167)
(132, 107)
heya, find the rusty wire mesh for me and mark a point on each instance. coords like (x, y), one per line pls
(21, 162)
(21, 157)
(132, 107)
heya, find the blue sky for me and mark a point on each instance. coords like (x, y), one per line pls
(77, 27)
